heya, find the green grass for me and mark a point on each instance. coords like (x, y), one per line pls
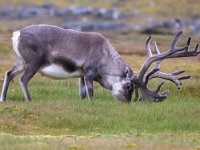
(57, 110)
(139, 142)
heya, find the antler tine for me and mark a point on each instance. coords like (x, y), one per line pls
(164, 96)
(157, 63)
(147, 63)
(178, 72)
(149, 74)
(184, 77)
(196, 48)
(156, 47)
(159, 87)
(176, 38)
(165, 93)
(188, 43)
(148, 47)
(161, 97)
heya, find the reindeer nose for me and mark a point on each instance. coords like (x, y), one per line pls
(128, 98)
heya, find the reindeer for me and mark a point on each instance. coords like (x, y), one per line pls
(64, 53)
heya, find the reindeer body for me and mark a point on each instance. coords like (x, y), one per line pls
(69, 52)
(59, 54)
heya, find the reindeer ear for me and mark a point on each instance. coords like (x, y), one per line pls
(133, 78)
(126, 72)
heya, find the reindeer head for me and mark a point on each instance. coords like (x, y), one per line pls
(123, 88)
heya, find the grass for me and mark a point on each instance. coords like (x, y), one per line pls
(56, 109)
(139, 142)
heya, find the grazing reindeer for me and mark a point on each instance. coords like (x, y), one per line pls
(59, 54)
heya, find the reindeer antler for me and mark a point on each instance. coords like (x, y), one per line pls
(141, 81)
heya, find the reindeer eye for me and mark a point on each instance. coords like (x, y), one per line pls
(128, 87)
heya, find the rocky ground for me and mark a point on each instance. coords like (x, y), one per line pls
(100, 19)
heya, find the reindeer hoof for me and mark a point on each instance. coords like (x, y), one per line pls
(1, 101)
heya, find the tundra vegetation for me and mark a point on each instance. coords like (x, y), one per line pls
(58, 119)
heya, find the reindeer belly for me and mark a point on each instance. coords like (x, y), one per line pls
(55, 71)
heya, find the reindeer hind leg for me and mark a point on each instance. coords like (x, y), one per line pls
(17, 69)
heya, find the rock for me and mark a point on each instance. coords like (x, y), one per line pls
(8, 13)
(94, 26)
(48, 6)
(109, 26)
(75, 10)
(99, 12)
(49, 9)
(167, 27)
(79, 26)
(111, 14)
(76, 17)
(195, 27)
(28, 13)
(60, 12)
(5, 12)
